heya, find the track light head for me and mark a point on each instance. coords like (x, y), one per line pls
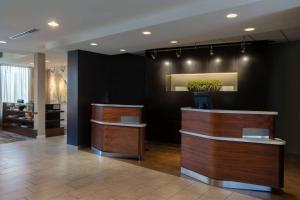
(153, 55)
(211, 51)
(243, 46)
(178, 53)
(243, 50)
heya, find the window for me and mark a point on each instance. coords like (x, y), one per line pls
(14, 83)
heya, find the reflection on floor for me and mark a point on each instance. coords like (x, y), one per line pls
(166, 158)
(8, 137)
(160, 157)
(45, 169)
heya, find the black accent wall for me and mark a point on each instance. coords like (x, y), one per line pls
(284, 94)
(163, 108)
(98, 78)
(268, 81)
(87, 82)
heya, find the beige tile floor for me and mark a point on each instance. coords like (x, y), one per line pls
(49, 169)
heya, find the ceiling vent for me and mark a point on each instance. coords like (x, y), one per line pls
(24, 34)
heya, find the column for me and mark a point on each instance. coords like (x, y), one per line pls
(39, 94)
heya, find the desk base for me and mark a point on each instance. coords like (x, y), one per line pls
(114, 155)
(224, 184)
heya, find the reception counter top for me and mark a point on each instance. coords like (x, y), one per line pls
(233, 149)
(231, 111)
(117, 130)
(117, 105)
(275, 141)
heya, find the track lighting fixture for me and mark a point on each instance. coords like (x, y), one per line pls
(211, 51)
(178, 53)
(243, 48)
(153, 55)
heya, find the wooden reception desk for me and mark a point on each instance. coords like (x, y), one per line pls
(232, 149)
(117, 130)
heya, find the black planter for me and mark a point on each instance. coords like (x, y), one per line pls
(202, 100)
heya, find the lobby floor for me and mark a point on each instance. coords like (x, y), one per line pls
(49, 169)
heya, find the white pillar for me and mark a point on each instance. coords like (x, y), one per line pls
(39, 94)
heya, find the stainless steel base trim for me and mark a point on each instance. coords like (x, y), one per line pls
(224, 184)
(114, 155)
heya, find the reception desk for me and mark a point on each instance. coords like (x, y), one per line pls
(232, 149)
(117, 130)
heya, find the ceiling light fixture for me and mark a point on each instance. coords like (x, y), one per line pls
(173, 42)
(146, 33)
(2, 42)
(47, 61)
(122, 50)
(249, 29)
(31, 63)
(232, 15)
(53, 24)
(94, 44)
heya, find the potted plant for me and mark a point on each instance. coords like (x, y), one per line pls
(201, 90)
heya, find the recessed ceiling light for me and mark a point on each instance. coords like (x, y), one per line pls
(47, 61)
(53, 24)
(31, 63)
(146, 32)
(2, 42)
(232, 15)
(94, 44)
(249, 29)
(173, 42)
(122, 50)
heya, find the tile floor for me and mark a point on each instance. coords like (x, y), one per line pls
(49, 169)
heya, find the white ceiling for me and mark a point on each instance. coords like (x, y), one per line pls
(117, 24)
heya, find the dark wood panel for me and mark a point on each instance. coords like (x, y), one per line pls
(118, 139)
(225, 125)
(97, 134)
(234, 161)
(97, 113)
(114, 114)
(51, 132)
